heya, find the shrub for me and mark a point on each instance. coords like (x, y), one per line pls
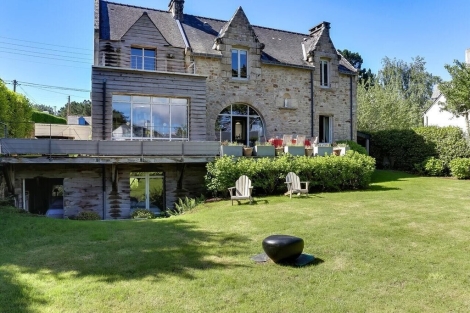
(39, 117)
(143, 213)
(354, 146)
(186, 205)
(432, 167)
(88, 216)
(353, 171)
(460, 168)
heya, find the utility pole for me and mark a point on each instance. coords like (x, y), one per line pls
(15, 82)
(68, 106)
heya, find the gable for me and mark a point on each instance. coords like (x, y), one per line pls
(238, 29)
(145, 32)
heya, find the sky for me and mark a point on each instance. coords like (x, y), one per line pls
(50, 42)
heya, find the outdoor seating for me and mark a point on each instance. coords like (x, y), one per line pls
(300, 140)
(286, 140)
(242, 189)
(294, 185)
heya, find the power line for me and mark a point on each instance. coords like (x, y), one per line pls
(54, 64)
(52, 87)
(53, 54)
(29, 97)
(36, 56)
(48, 44)
(26, 46)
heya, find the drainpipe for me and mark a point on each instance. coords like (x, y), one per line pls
(312, 105)
(103, 175)
(351, 106)
(104, 110)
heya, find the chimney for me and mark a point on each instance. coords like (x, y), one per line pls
(467, 56)
(322, 25)
(176, 9)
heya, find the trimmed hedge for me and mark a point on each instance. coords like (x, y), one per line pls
(411, 149)
(352, 171)
(46, 118)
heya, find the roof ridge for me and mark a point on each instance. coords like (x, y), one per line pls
(134, 6)
(281, 30)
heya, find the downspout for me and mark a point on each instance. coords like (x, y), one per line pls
(351, 106)
(103, 108)
(103, 175)
(312, 105)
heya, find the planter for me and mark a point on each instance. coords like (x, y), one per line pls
(343, 150)
(231, 150)
(337, 151)
(308, 151)
(295, 150)
(321, 151)
(247, 151)
(263, 151)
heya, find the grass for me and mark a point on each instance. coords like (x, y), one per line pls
(401, 246)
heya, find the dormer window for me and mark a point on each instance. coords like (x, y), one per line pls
(239, 64)
(143, 59)
(324, 73)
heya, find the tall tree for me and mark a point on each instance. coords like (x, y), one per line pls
(15, 113)
(76, 108)
(399, 96)
(365, 76)
(457, 90)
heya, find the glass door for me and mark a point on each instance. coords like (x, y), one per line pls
(147, 192)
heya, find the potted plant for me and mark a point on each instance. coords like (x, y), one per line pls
(264, 149)
(343, 148)
(297, 148)
(321, 149)
(231, 148)
(247, 151)
(308, 150)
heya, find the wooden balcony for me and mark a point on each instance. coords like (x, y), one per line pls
(106, 151)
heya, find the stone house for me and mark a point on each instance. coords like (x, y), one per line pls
(167, 87)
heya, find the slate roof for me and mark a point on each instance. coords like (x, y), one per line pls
(282, 47)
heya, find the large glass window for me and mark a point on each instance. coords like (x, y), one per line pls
(147, 191)
(143, 59)
(240, 123)
(239, 63)
(139, 117)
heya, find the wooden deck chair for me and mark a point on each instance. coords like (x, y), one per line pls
(242, 189)
(294, 185)
(286, 140)
(300, 140)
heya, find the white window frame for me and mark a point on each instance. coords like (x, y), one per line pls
(238, 60)
(327, 129)
(324, 73)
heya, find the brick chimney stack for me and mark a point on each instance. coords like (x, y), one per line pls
(176, 9)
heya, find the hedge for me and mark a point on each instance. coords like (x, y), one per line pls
(39, 117)
(329, 173)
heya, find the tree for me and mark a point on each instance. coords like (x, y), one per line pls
(15, 113)
(76, 108)
(43, 107)
(400, 94)
(365, 76)
(457, 90)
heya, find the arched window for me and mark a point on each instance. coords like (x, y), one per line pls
(240, 123)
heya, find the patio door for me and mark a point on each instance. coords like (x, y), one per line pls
(147, 191)
(325, 129)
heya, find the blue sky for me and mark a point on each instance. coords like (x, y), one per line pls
(59, 30)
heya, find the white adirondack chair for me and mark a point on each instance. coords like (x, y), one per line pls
(286, 140)
(242, 189)
(300, 140)
(294, 185)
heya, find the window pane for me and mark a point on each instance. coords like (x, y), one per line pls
(161, 120)
(140, 99)
(136, 58)
(141, 120)
(179, 121)
(179, 101)
(239, 109)
(121, 120)
(234, 63)
(121, 98)
(160, 100)
(243, 64)
(149, 53)
(223, 128)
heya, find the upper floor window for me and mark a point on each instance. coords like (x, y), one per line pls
(239, 64)
(143, 59)
(324, 73)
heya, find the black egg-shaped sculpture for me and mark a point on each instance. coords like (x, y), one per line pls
(283, 248)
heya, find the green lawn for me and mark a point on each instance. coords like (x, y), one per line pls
(401, 246)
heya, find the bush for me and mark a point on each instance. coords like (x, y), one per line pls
(353, 171)
(354, 146)
(39, 117)
(87, 216)
(407, 150)
(186, 205)
(432, 167)
(143, 213)
(460, 168)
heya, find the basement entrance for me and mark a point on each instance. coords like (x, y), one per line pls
(41, 194)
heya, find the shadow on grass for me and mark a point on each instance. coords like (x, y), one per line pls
(106, 251)
(383, 176)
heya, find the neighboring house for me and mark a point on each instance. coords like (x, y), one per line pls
(435, 115)
(165, 87)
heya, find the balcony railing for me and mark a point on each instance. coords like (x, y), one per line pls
(162, 64)
(91, 148)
